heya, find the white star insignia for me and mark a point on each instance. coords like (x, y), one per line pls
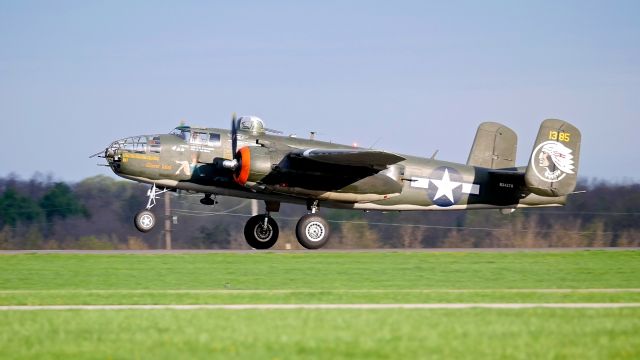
(445, 186)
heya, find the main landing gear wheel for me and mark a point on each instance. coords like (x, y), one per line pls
(312, 231)
(261, 234)
(145, 221)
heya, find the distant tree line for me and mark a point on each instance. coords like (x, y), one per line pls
(97, 213)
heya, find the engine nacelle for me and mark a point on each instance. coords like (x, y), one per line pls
(254, 163)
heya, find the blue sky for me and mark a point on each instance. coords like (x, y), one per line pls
(415, 76)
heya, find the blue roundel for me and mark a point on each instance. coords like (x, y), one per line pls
(445, 186)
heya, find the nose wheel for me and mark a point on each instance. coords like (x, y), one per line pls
(145, 220)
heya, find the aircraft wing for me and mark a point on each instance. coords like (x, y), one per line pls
(335, 170)
(350, 157)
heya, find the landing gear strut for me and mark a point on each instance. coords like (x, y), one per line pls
(312, 229)
(145, 220)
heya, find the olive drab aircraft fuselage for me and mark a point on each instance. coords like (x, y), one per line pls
(251, 161)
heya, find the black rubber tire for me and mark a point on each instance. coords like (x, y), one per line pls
(257, 236)
(312, 231)
(144, 221)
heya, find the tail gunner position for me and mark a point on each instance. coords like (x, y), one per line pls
(251, 161)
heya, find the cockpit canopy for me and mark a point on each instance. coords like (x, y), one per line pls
(204, 136)
(197, 136)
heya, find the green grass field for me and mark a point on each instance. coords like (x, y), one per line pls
(321, 278)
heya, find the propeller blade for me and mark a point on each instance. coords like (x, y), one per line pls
(233, 163)
(234, 135)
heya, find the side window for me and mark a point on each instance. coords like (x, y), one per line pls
(199, 138)
(214, 139)
(154, 144)
(205, 138)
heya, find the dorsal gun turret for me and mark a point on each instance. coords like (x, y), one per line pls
(251, 124)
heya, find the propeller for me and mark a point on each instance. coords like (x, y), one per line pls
(234, 134)
(233, 164)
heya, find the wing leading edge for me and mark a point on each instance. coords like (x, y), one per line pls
(350, 157)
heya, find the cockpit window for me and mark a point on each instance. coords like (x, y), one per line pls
(183, 133)
(205, 138)
(196, 137)
(137, 144)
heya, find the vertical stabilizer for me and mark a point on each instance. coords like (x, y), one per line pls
(494, 147)
(553, 165)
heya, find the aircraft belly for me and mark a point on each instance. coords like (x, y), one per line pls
(219, 190)
(347, 197)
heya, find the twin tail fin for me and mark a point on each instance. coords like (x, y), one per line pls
(553, 165)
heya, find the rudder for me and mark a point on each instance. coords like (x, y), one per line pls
(553, 165)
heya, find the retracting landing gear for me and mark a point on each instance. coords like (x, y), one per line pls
(145, 220)
(261, 231)
(312, 229)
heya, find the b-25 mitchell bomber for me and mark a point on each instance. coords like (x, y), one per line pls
(251, 161)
